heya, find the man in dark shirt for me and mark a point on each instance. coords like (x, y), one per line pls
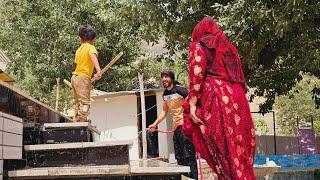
(173, 97)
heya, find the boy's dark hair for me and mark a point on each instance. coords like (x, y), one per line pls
(87, 32)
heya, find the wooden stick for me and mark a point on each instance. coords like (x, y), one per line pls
(143, 112)
(58, 94)
(114, 60)
(66, 82)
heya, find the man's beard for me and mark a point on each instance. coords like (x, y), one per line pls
(166, 83)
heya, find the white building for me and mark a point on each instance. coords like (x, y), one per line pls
(118, 116)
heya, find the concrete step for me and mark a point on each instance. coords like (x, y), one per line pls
(152, 167)
(82, 153)
(53, 133)
(70, 125)
(137, 170)
(79, 172)
(32, 133)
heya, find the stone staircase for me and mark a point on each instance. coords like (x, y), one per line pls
(67, 151)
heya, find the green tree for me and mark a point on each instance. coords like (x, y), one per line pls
(298, 103)
(261, 126)
(40, 37)
(276, 39)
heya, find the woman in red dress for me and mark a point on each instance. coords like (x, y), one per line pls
(217, 114)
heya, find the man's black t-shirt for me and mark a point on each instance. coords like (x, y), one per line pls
(176, 90)
(174, 98)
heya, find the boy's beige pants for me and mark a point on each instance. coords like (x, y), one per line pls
(81, 90)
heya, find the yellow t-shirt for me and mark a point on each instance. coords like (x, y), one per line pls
(84, 64)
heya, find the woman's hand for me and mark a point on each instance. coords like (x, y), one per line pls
(193, 107)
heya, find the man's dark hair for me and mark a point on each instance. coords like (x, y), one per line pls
(87, 32)
(169, 73)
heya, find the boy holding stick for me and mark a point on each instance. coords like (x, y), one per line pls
(86, 60)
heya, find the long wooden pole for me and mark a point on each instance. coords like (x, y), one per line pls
(143, 113)
(58, 94)
(105, 69)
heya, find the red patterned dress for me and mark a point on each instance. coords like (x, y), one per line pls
(227, 137)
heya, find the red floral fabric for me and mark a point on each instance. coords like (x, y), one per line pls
(227, 137)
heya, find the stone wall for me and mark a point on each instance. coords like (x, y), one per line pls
(11, 129)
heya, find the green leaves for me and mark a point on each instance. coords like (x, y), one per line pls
(40, 37)
(276, 39)
(298, 103)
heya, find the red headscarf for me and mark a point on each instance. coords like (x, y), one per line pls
(209, 34)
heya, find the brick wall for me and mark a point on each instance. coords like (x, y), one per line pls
(11, 129)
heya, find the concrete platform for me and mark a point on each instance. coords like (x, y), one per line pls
(71, 125)
(156, 167)
(262, 172)
(81, 153)
(265, 171)
(79, 145)
(56, 133)
(69, 172)
(150, 169)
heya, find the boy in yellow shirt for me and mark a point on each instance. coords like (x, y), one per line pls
(86, 60)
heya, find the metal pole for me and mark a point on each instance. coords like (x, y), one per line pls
(143, 113)
(298, 135)
(274, 133)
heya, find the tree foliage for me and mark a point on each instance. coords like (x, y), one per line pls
(276, 39)
(261, 127)
(297, 104)
(40, 37)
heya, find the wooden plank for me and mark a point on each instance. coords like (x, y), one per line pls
(66, 82)
(105, 69)
(57, 94)
(32, 99)
(143, 112)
